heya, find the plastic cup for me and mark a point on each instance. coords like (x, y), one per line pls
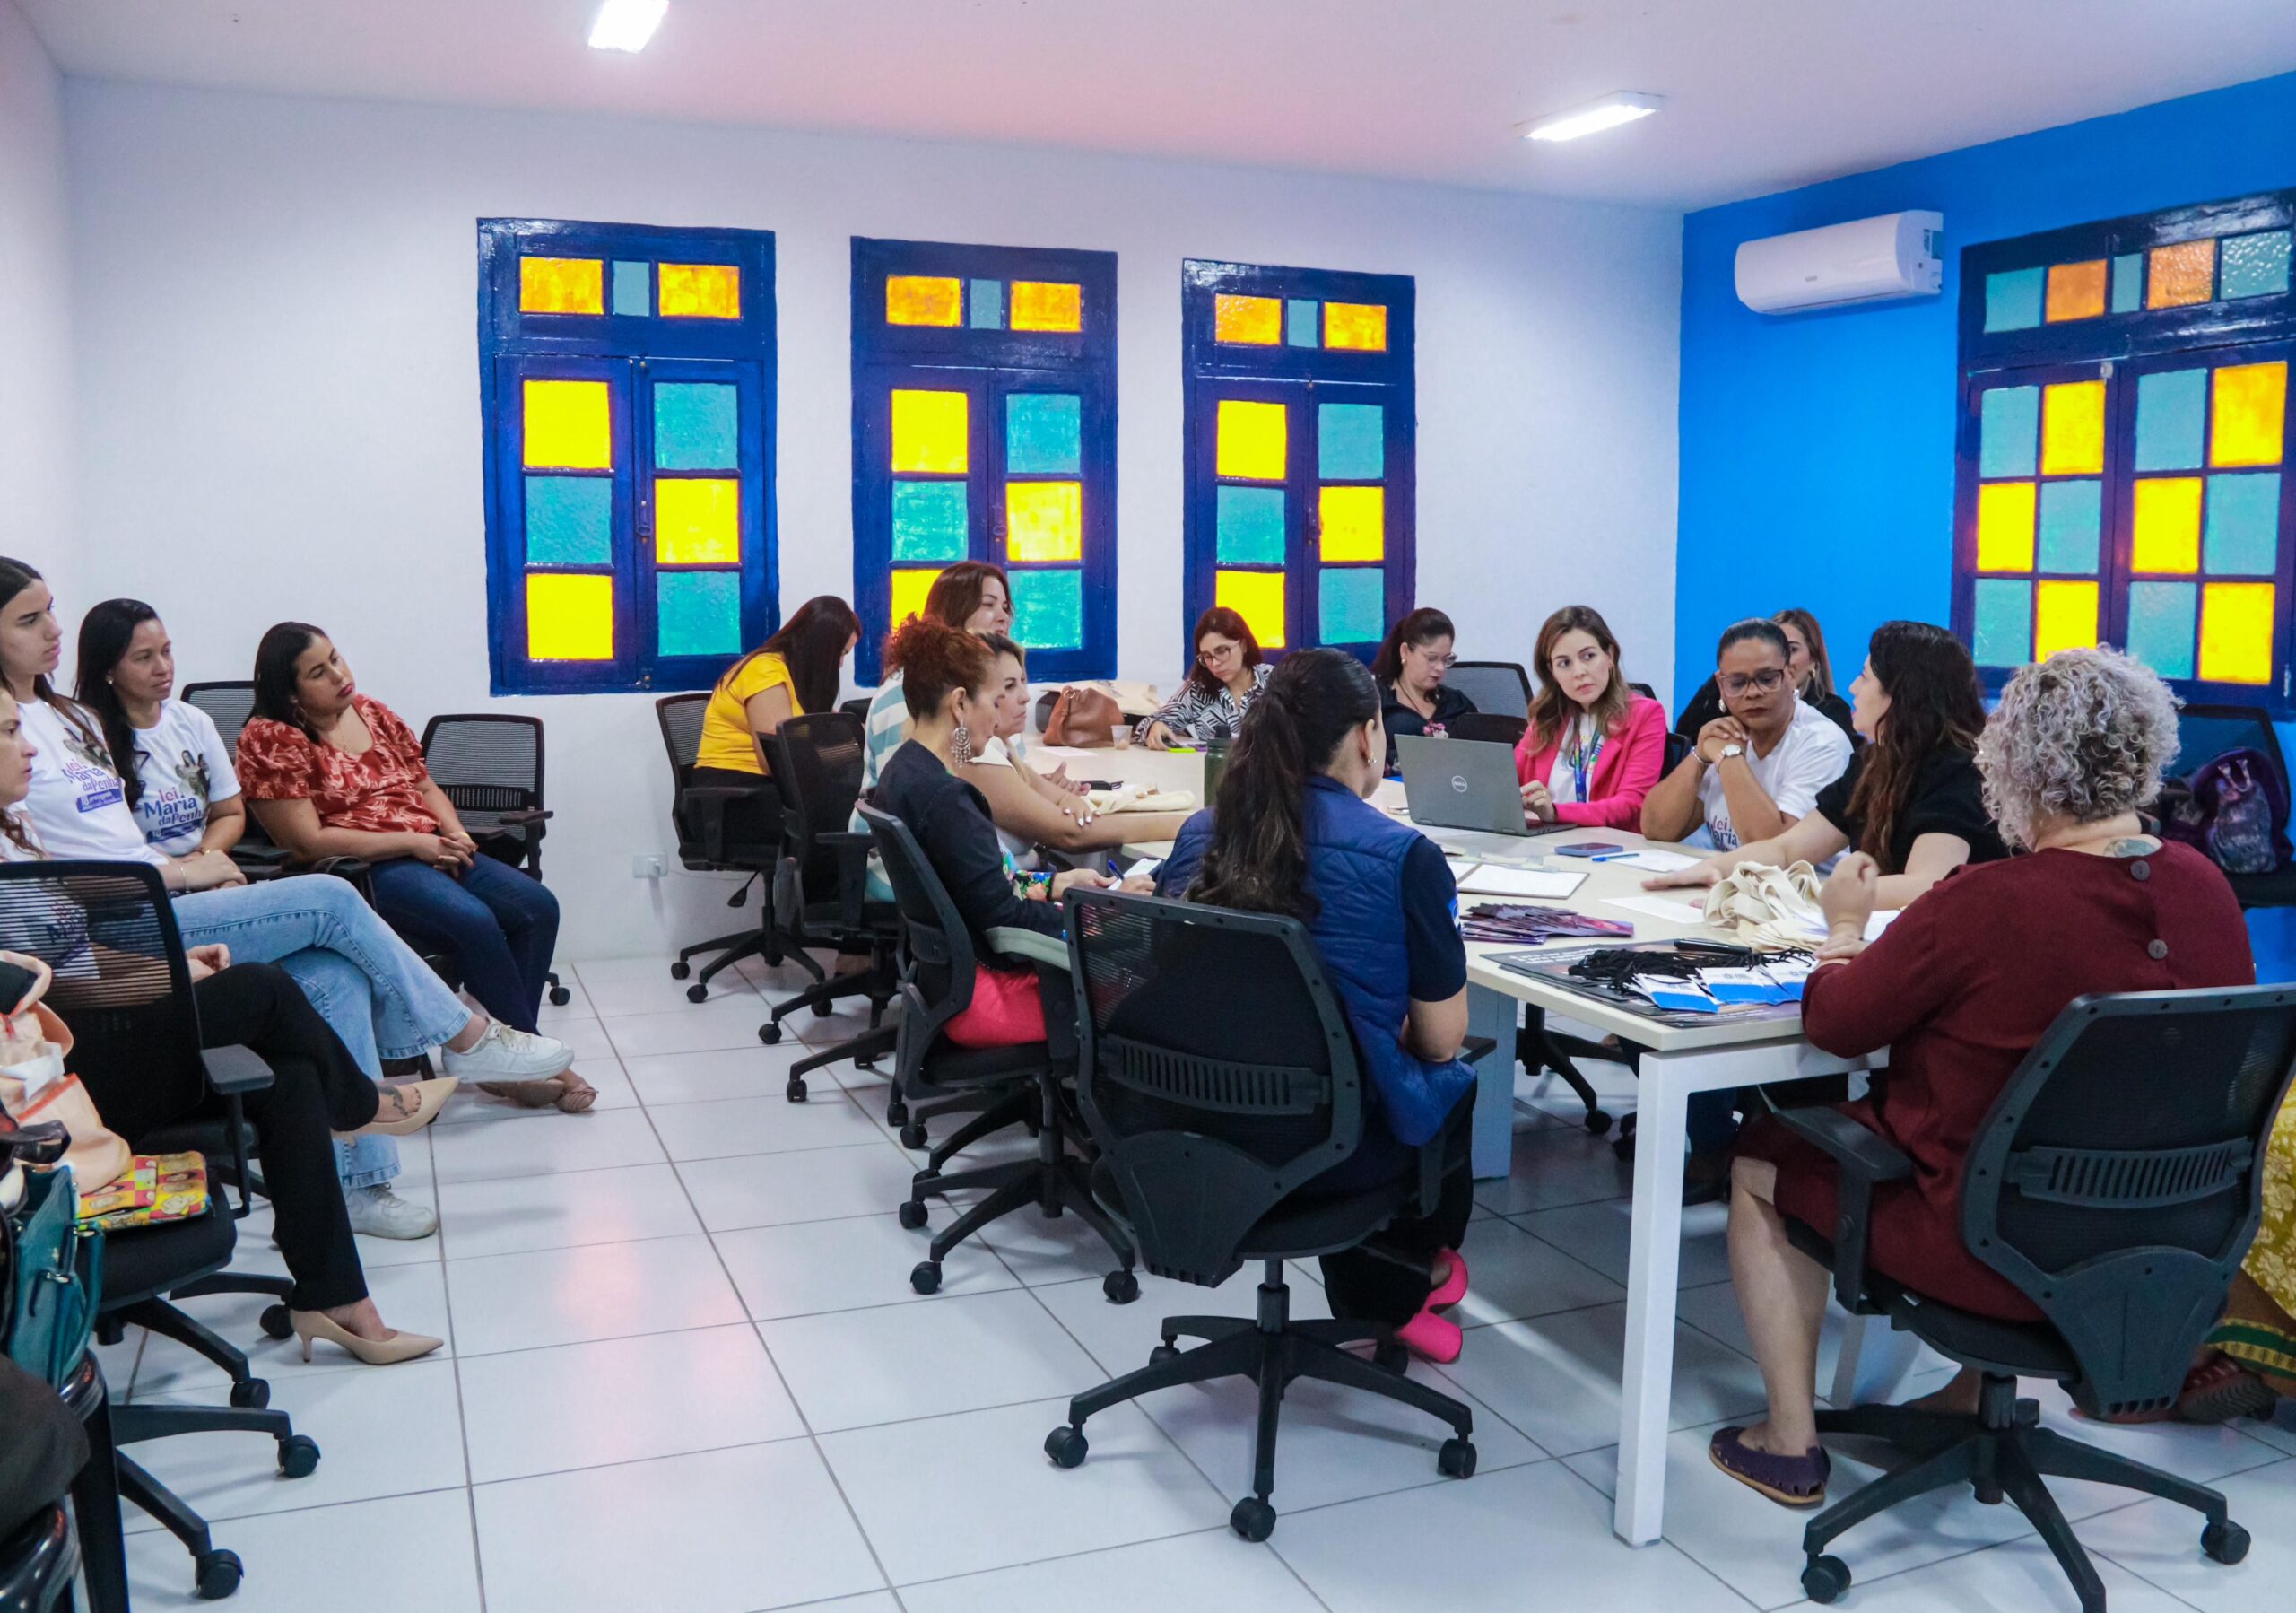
(1120, 735)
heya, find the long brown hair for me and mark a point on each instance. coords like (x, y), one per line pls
(1229, 624)
(812, 644)
(1820, 682)
(1936, 704)
(952, 598)
(105, 633)
(1551, 712)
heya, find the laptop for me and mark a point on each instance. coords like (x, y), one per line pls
(1464, 784)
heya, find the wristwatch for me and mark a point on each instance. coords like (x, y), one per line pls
(1731, 750)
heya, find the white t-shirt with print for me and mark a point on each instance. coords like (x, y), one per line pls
(1813, 753)
(186, 768)
(77, 803)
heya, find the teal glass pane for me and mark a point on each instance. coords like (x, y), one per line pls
(1044, 434)
(988, 311)
(2073, 515)
(698, 613)
(1350, 442)
(633, 288)
(1250, 525)
(2242, 534)
(930, 521)
(2256, 266)
(2171, 418)
(1352, 604)
(2009, 433)
(697, 426)
(2161, 616)
(1300, 326)
(2128, 283)
(570, 520)
(2013, 300)
(2004, 623)
(1048, 608)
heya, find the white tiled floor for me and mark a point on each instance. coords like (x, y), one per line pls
(686, 1370)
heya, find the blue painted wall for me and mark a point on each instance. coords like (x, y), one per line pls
(1817, 449)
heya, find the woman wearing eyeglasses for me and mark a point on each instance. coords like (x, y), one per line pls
(1409, 670)
(1221, 687)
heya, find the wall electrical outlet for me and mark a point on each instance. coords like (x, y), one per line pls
(646, 868)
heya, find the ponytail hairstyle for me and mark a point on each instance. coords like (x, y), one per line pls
(282, 646)
(15, 577)
(1258, 860)
(1422, 626)
(812, 644)
(935, 658)
(1936, 704)
(1552, 709)
(105, 632)
(1820, 682)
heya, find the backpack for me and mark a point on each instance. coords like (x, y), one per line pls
(2234, 809)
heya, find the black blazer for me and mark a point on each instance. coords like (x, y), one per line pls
(950, 819)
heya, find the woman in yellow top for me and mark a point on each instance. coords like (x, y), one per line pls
(795, 671)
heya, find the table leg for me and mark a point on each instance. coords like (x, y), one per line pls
(1493, 1014)
(1654, 1265)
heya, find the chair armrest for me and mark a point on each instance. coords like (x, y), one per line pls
(521, 817)
(709, 804)
(263, 856)
(357, 870)
(235, 1069)
(1865, 1160)
(1028, 945)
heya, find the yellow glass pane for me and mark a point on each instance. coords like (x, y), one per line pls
(2004, 526)
(2064, 617)
(932, 431)
(921, 300)
(2251, 413)
(2235, 628)
(1044, 521)
(569, 425)
(1258, 596)
(570, 617)
(697, 521)
(2184, 273)
(1256, 321)
(561, 286)
(1046, 305)
(2073, 429)
(2166, 536)
(1354, 523)
(1360, 326)
(701, 291)
(909, 589)
(2076, 291)
(1252, 439)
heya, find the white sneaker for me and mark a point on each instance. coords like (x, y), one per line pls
(503, 1054)
(381, 1212)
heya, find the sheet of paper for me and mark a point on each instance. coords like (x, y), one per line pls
(1659, 907)
(1650, 859)
(1876, 923)
(1489, 879)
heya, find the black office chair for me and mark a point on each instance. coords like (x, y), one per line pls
(1500, 688)
(2115, 1183)
(698, 813)
(858, 706)
(1493, 728)
(95, 1493)
(2204, 733)
(1006, 1085)
(1678, 749)
(489, 764)
(228, 703)
(1208, 1131)
(39, 1563)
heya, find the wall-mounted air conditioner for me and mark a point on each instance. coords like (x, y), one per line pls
(1865, 260)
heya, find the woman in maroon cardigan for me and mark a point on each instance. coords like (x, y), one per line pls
(1959, 989)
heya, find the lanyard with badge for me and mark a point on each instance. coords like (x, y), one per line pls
(1586, 745)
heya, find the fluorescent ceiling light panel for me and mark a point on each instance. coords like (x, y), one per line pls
(626, 24)
(1594, 117)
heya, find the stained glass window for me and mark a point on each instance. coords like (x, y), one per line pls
(984, 414)
(626, 378)
(1299, 459)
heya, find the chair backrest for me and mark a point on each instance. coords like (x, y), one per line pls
(680, 716)
(2204, 733)
(858, 706)
(2117, 1181)
(488, 763)
(1498, 686)
(1493, 727)
(937, 956)
(817, 762)
(228, 705)
(1208, 1118)
(1678, 749)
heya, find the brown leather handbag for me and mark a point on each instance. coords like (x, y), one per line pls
(1085, 717)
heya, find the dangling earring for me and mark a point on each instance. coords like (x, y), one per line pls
(960, 745)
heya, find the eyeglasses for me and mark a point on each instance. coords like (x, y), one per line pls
(1223, 652)
(1441, 663)
(1737, 684)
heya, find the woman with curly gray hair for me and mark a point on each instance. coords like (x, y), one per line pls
(1958, 988)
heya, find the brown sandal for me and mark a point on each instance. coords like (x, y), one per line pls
(568, 1091)
(2221, 1389)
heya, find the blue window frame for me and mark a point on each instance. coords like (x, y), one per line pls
(984, 428)
(1301, 469)
(626, 379)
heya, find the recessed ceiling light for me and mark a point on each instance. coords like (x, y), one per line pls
(1594, 117)
(626, 24)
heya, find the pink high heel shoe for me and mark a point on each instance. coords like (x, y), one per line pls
(1455, 1286)
(1432, 1338)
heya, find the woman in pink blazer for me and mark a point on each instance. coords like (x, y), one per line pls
(1594, 747)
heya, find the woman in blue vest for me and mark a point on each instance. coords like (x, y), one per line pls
(1294, 833)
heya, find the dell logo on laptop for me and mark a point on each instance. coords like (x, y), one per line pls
(1458, 784)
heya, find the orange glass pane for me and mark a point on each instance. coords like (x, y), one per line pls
(1360, 326)
(561, 286)
(569, 426)
(1258, 321)
(1252, 440)
(1046, 305)
(1354, 523)
(570, 617)
(2004, 526)
(909, 589)
(1258, 596)
(2249, 415)
(2073, 429)
(2236, 631)
(1044, 521)
(2165, 535)
(697, 521)
(2064, 617)
(2076, 291)
(922, 299)
(932, 431)
(701, 291)
(2184, 273)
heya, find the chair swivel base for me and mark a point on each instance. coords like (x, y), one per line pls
(1273, 1351)
(215, 1572)
(863, 1050)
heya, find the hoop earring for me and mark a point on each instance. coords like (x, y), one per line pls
(960, 745)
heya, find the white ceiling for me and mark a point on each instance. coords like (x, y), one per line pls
(1762, 94)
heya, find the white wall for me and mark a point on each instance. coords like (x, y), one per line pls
(280, 400)
(35, 461)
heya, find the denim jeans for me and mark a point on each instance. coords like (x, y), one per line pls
(502, 927)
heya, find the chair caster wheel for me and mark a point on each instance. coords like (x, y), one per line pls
(274, 1323)
(1391, 1357)
(896, 1112)
(697, 992)
(912, 1136)
(1253, 1518)
(768, 1032)
(1122, 1287)
(254, 1394)
(1623, 1146)
(299, 1456)
(912, 1216)
(680, 969)
(868, 1063)
(1824, 1579)
(1456, 1460)
(216, 1575)
(796, 1090)
(559, 996)
(1066, 1447)
(1598, 1122)
(1162, 1353)
(820, 1010)
(925, 1276)
(2225, 1542)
